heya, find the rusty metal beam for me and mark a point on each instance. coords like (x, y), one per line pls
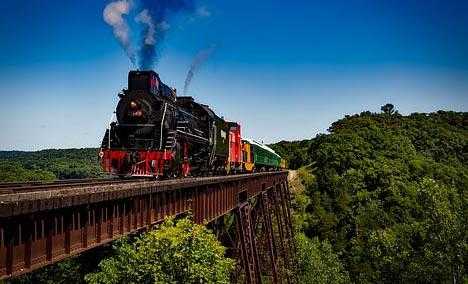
(265, 211)
(41, 227)
(247, 237)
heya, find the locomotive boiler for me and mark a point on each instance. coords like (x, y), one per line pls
(158, 134)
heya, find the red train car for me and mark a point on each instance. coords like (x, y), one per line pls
(235, 148)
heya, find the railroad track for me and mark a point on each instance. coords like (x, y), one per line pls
(35, 183)
(20, 187)
(36, 186)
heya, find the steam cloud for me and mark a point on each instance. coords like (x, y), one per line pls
(153, 20)
(199, 59)
(149, 31)
(148, 42)
(156, 21)
(113, 15)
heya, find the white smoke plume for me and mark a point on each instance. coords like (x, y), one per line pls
(153, 20)
(199, 59)
(164, 26)
(150, 31)
(113, 15)
(202, 12)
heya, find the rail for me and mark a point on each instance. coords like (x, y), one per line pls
(17, 187)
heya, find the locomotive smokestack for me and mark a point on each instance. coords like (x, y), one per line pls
(199, 59)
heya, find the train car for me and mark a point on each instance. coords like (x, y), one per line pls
(235, 162)
(247, 156)
(259, 157)
(283, 164)
(158, 134)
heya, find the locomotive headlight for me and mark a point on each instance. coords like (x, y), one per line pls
(133, 105)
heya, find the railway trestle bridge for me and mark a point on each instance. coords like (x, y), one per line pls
(43, 223)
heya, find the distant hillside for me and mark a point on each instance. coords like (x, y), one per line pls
(49, 164)
(441, 135)
(389, 192)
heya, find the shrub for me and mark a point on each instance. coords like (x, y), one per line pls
(177, 252)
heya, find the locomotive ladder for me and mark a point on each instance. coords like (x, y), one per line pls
(170, 140)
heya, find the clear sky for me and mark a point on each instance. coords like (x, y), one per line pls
(283, 69)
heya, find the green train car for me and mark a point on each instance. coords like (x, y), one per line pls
(260, 157)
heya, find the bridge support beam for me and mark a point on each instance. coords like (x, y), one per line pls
(265, 207)
(38, 228)
(265, 236)
(246, 238)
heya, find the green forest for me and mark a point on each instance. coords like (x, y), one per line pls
(380, 198)
(49, 165)
(388, 194)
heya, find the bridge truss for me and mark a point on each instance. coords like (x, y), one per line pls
(43, 223)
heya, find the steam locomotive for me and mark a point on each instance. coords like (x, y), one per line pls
(160, 134)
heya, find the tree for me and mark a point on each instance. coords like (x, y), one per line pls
(50, 164)
(389, 196)
(177, 252)
(13, 171)
(317, 263)
(388, 109)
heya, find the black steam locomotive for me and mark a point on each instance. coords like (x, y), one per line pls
(159, 134)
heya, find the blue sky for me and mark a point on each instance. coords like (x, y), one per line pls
(284, 71)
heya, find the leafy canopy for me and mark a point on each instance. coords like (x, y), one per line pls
(317, 262)
(389, 194)
(49, 164)
(177, 252)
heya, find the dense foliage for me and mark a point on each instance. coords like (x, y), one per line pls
(317, 262)
(67, 271)
(14, 171)
(177, 252)
(389, 194)
(294, 152)
(49, 164)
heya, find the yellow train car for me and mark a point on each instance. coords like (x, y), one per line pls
(247, 157)
(283, 164)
